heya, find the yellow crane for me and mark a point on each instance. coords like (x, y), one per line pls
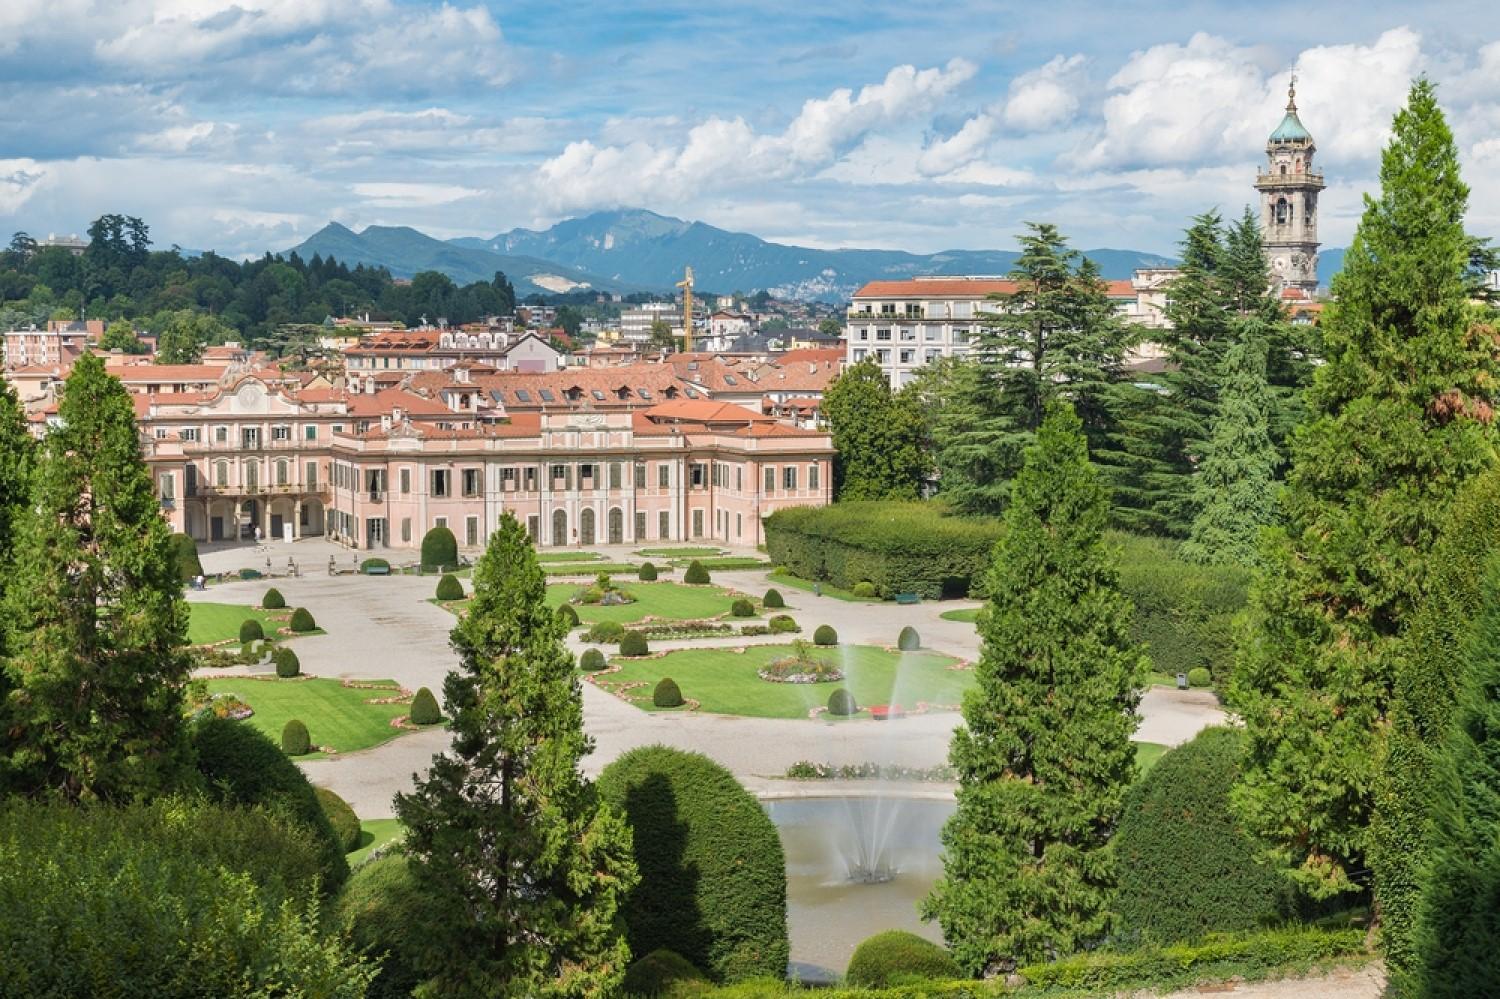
(686, 284)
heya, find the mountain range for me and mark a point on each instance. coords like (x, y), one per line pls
(638, 250)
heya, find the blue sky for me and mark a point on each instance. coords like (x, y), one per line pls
(244, 125)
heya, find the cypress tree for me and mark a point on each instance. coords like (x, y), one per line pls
(17, 458)
(1044, 755)
(1400, 420)
(877, 437)
(95, 617)
(525, 863)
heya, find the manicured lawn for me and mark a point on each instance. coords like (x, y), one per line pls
(335, 715)
(725, 563)
(1147, 753)
(968, 614)
(725, 681)
(373, 834)
(668, 601)
(685, 552)
(209, 623)
(567, 556)
(590, 568)
(780, 578)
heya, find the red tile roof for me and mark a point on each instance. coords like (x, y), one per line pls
(703, 411)
(165, 372)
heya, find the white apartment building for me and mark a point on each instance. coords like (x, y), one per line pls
(636, 320)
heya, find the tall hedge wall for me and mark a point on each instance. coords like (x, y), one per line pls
(900, 547)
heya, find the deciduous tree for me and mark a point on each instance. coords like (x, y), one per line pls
(876, 436)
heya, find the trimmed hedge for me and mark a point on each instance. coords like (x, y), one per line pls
(696, 574)
(439, 549)
(424, 708)
(373, 563)
(667, 694)
(295, 740)
(773, 600)
(302, 620)
(378, 909)
(287, 663)
(251, 631)
(1199, 677)
(592, 661)
(568, 615)
(742, 608)
(909, 640)
(633, 643)
(841, 702)
(1185, 866)
(657, 972)
(782, 624)
(646, 574)
(825, 635)
(449, 588)
(340, 816)
(605, 631)
(273, 600)
(185, 550)
(713, 876)
(899, 547)
(894, 956)
(865, 590)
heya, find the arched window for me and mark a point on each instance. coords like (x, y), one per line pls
(586, 526)
(1283, 169)
(1283, 212)
(559, 527)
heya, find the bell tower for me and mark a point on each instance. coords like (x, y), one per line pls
(1289, 202)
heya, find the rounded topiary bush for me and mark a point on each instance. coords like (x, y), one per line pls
(295, 740)
(568, 615)
(864, 590)
(251, 631)
(695, 574)
(657, 972)
(773, 600)
(592, 661)
(345, 823)
(712, 873)
(896, 956)
(439, 549)
(287, 663)
(302, 620)
(1185, 865)
(378, 908)
(605, 631)
(742, 608)
(449, 588)
(633, 643)
(909, 640)
(782, 624)
(646, 574)
(273, 600)
(842, 703)
(667, 694)
(424, 708)
(825, 635)
(185, 549)
(1199, 676)
(373, 563)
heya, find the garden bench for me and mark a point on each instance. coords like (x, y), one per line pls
(378, 570)
(908, 598)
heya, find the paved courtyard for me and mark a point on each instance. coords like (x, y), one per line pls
(385, 628)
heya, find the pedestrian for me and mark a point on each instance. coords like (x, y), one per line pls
(257, 535)
(817, 589)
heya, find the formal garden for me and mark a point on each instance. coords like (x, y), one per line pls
(341, 716)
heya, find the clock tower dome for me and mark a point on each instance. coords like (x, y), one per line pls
(1289, 203)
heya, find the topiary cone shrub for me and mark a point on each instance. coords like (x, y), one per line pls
(294, 739)
(742, 608)
(647, 574)
(251, 631)
(1199, 676)
(667, 694)
(782, 624)
(345, 823)
(864, 590)
(302, 620)
(825, 635)
(633, 643)
(186, 550)
(657, 972)
(712, 874)
(424, 708)
(841, 703)
(273, 600)
(592, 661)
(439, 549)
(287, 663)
(449, 588)
(696, 574)
(773, 600)
(605, 631)
(909, 641)
(568, 615)
(895, 957)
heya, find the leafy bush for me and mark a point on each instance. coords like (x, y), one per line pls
(754, 629)
(633, 643)
(657, 972)
(893, 956)
(273, 600)
(742, 608)
(592, 661)
(424, 708)
(251, 631)
(605, 631)
(185, 550)
(373, 563)
(667, 694)
(773, 600)
(782, 624)
(295, 740)
(378, 909)
(647, 574)
(1186, 868)
(287, 663)
(588, 595)
(920, 547)
(841, 702)
(340, 816)
(909, 640)
(439, 549)
(240, 766)
(1199, 677)
(825, 635)
(171, 897)
(864, 590)
(449, 588)
(696, 574)
(302, 620)
(713, 877)
(568, 615)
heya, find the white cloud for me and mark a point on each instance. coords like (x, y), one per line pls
(18, 181)
(962, 147)
(1047, 96)
(412, 195)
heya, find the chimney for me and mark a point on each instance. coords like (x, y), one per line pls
(396, 415)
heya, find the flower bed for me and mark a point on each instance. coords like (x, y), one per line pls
(801, 667)
(666, 630)
(806, 770)
(884, 712)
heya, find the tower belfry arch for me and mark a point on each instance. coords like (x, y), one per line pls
(1289, 202)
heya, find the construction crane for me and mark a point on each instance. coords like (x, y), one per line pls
(686, 284)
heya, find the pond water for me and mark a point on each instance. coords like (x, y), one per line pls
(855, 867)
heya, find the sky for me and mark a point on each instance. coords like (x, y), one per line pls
(246, 125)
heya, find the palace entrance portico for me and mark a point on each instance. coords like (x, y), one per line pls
(219, 517)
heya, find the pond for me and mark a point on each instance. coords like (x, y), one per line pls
(855, 866)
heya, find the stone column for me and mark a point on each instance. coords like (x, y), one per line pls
(297, 518)
(234, 528)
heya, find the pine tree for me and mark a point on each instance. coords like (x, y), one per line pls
(516, 848)
(95, 617)
(1400, 420)
(1044, 756)
(876, 437)
(1234, 487)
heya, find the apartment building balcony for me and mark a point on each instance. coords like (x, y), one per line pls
(857, 313)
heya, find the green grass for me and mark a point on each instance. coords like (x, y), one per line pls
(568, 556)
(782, 578)
(373, 834)
(966, 614)
(1147, 753)
(685, 552)
(727, 563)
(591, 568)
(725, 681)
(335, 715)
(668, 601)
(210, 623)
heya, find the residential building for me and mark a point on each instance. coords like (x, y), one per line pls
(58, 344)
